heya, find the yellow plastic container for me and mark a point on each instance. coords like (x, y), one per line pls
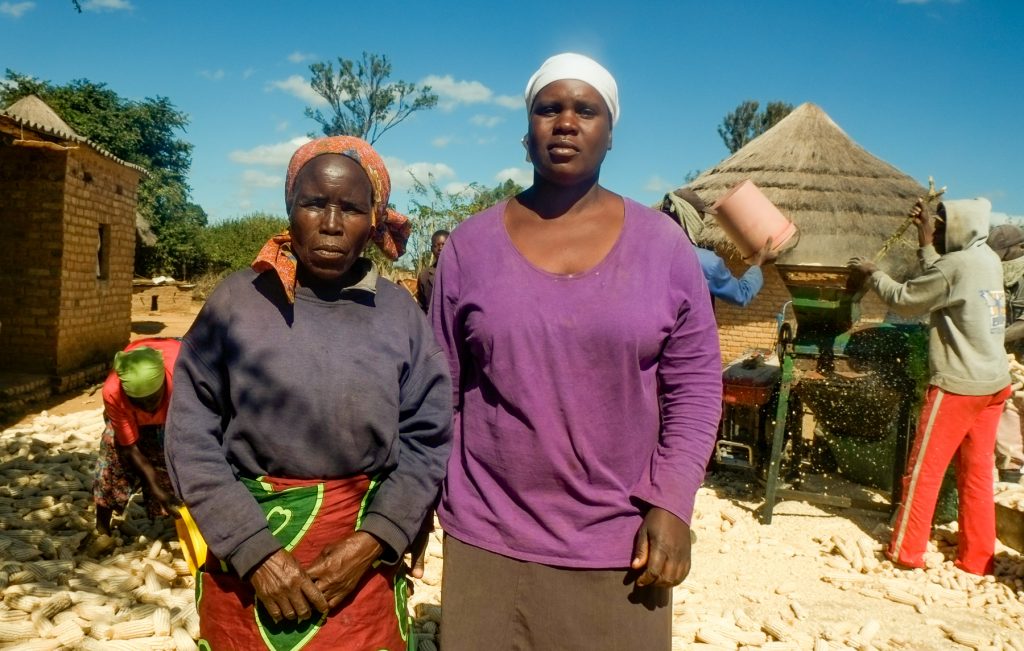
(193, 546)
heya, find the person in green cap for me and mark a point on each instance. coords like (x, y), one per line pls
(135, 398)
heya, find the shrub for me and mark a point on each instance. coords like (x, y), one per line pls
(233, 244)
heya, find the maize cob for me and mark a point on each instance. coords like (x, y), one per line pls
(25, 603)
(902, 597)
(973, 640)
(14, 631)
(777, 629)
(132, 629)
(713, 637)
(798, 610)
(68, 633)
(35, 645)
(162, 622)
(182, 640)
(164, 572)
(44, 627)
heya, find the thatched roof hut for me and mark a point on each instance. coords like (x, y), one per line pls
(845, 201)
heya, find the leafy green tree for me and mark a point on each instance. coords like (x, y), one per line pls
(232, 244)
(362, 100)
(746, 122)
(142, 132)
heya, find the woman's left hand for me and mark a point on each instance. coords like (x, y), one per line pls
(340, 566)
(661, 550)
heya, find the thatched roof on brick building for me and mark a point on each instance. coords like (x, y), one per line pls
(844, 200)
(32, 113)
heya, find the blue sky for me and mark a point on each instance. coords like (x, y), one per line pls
(934, 87)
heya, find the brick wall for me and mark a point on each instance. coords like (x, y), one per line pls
(95, 313)
(743, 329)
(31, 203)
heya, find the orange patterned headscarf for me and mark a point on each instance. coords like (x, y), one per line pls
(389, 228)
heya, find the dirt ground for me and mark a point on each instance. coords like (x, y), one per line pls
(813, 579)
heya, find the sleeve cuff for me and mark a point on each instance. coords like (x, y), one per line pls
(681, 508)
(394, 539)
(253, 551)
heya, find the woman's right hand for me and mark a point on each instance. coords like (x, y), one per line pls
(285, 589)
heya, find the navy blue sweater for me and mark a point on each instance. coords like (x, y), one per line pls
(325, 388)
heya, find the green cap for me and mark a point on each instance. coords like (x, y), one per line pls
(141, 371)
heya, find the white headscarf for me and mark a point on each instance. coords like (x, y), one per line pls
(569, 65)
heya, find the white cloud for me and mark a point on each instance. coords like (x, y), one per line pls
(16, 9)
(402, 173)
(258, 179)
(510, 101)
(248, 72)
(456, 187)
(657, 184)
(107, 5)
(487, 121)
(212, 75)
(299, 57)
(298, 86)
(441, 141)
(276, 154)
(521, 176)
(281, 126)
(451, 93)
(997, 218)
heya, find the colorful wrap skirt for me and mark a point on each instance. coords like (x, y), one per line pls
(116, 478)
(305, 516)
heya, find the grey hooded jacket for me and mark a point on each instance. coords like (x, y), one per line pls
(962, 292)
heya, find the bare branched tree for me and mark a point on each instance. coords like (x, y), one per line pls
(362, 101)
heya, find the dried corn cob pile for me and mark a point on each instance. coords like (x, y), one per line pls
(63, 586)
(814, 579)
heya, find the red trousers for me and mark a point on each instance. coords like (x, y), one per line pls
(960, 429)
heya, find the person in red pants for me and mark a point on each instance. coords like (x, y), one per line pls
(961, 289)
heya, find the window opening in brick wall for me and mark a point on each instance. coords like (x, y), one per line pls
(103, 252)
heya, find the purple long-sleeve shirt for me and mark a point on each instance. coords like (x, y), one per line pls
(579, 399)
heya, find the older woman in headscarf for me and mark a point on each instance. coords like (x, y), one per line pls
(587, 389)
(310, 424)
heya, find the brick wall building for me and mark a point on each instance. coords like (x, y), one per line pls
(69, 217)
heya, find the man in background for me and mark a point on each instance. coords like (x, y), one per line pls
(1007, 241)
(961, 290)
(425, 281)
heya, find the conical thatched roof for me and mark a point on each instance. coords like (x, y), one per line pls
(845, 201)
(32, 113)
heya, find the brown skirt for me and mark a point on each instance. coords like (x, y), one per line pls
(490, 601)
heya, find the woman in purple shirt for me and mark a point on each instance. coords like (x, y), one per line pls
(587, 380)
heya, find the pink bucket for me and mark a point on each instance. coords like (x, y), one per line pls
(749, 218)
